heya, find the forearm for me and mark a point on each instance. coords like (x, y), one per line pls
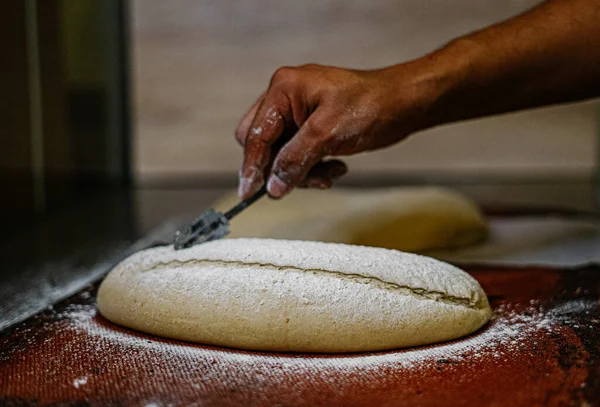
(548, 55)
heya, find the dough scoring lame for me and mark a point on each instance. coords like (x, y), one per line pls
(300, 296)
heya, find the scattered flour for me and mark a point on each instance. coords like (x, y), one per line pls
(80, 381)
(84, 355)
(510, 330)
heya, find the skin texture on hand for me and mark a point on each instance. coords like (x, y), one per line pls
(548, 55)
(313, 112)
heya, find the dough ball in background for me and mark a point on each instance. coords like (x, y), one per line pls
(299, 296)
(413, 219)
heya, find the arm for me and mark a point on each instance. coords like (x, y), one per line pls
(548, 55)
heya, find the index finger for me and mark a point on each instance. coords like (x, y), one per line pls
(267, 127)
(244, 126)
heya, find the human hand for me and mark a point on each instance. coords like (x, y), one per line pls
(314, 112)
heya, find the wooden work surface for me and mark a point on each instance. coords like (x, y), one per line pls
(541, 348)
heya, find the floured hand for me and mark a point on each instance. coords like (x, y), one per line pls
(316, 112)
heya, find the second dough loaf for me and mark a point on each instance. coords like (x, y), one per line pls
(413, 219)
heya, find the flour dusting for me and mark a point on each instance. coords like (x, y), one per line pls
(80, 381)
(510, 331)
(528, 350)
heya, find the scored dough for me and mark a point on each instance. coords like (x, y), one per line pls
(413, 219)
(282, 295)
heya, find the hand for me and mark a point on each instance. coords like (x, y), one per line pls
(548, 55)
(314, 112)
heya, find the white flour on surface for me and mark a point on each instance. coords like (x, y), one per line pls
(507, 333)
(79, 352)
(80, 381)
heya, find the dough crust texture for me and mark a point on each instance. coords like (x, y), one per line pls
(298, 296)
(412, 219)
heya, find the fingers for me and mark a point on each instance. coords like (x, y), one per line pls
(295, 159)
(244, 127)
(323, 174)
(292, 97)
(266, 128)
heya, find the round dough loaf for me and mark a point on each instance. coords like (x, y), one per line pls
(280, 295)
(412, 219)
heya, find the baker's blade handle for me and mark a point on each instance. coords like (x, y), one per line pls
(246, 203)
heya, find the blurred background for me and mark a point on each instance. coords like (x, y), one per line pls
(144, 96)
(198, 65)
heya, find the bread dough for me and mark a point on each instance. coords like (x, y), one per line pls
(413, 219)
(281, 295)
